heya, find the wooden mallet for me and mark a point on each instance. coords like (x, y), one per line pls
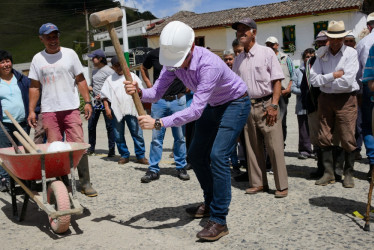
(107, 18)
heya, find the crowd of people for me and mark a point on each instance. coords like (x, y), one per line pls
(224, 113)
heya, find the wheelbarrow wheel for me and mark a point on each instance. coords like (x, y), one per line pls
(58, 195)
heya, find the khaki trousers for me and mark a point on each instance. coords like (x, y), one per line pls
(257, 133)
(337, 114)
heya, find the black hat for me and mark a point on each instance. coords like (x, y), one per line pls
(246, 21)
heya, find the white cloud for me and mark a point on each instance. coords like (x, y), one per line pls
(189, 5)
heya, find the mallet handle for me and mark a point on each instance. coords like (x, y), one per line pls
(124, 67)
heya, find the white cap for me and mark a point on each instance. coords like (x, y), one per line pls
(176, 41)
(272, 39)
(370, 17)
(350, 34)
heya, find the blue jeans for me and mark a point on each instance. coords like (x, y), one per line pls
(92, 124)
(367, 133)
(161, 109)
(5, 143)
(136, 134)
(216, 134)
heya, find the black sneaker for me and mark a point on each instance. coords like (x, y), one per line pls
(111, 152)
(90, 152)
(150, 176)
(182, 174)
(188, 166)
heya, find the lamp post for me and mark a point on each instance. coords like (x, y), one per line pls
(125, 41)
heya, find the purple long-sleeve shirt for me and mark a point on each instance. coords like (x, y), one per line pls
(208, 77)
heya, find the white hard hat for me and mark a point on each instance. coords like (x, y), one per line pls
(272, 39)
(176, 41)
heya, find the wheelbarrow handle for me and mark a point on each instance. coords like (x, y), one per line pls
(20, 129)
(18, 151)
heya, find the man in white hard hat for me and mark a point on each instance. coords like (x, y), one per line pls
(363, 47)
(220, 106)
(334, 72)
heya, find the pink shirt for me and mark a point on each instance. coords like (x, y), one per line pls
(258, 68)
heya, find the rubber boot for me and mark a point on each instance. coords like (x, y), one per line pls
(320, 168)
(327, 161)
(348, 170)
(338, 157)
(368, 177)
(84, 177)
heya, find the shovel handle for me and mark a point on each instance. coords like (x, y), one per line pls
(20, 129)
(25, 144)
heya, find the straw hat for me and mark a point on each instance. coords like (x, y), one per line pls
(336, 29)
(370, 17)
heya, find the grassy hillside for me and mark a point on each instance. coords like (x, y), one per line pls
(20, 21)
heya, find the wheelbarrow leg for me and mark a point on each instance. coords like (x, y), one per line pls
(24, 207)
(14, 199)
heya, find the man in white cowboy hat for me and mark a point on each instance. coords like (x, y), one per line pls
(363, 48)
(334, 72)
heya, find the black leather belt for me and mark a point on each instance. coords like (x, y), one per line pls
(261, 99)
(172, 97)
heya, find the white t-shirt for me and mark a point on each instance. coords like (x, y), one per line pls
(56, 73)
(114, 90)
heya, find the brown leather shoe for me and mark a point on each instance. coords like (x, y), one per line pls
(123, 160)
(212, 231)
(255, 190)
(142, 161)
(199, 211)
(281, 193)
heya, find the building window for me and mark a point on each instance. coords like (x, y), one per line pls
(289, 45)
(200, 41)
(319, 26)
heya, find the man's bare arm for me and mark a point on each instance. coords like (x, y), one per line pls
(83, 90)
(145, 76)
(371, 85)
(34, 95)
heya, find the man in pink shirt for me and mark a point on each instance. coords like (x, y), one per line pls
(258, 66)
(220, 107)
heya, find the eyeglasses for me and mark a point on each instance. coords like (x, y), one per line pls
(173, 69)
(349, 41)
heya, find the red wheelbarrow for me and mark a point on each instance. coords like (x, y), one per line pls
(55, 200)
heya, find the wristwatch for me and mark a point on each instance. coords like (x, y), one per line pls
(274, 106)
(158, 124)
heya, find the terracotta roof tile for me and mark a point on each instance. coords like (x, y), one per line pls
(258, 13)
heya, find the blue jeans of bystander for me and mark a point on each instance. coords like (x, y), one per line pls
(161, 109)
(136, 134)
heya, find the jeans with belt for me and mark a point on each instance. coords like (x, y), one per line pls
(216, 133)
(160, 109)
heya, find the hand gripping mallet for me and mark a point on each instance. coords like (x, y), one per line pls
(107, 18)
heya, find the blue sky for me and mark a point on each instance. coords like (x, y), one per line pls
(163, 8)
